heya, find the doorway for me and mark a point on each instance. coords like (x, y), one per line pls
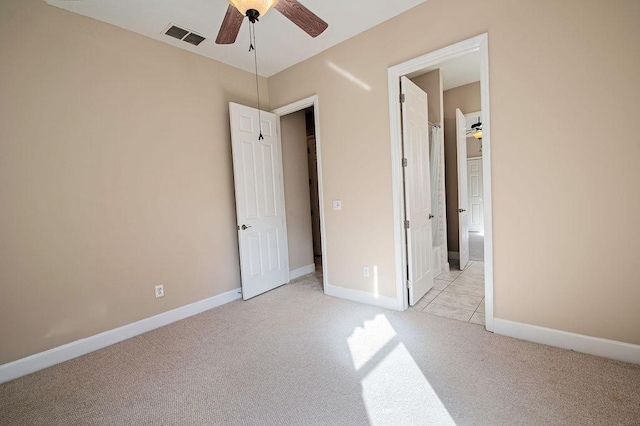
(314, 196)
(302, 166)
(261, 208)
(477, 45)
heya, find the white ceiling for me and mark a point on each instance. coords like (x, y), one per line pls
(458, 71)
(281, 43)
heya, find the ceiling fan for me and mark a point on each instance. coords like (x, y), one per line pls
(475, 130)
(252, 9)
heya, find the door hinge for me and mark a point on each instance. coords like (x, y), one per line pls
(405, 163)
(407, 224)
(409, 284)
(402, 98)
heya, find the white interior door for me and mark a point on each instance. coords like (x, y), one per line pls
(463, 197)
(417, 178)
(257, 170)
(474, 170)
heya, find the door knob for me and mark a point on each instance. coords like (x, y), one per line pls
(431, 216)
(461, 210)
(243, 227)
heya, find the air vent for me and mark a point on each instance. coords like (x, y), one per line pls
(177, 32)
(184, 35)
(194, 39)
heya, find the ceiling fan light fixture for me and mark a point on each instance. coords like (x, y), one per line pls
(262, 6)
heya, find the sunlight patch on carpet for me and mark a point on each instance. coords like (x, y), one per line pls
(394, 389)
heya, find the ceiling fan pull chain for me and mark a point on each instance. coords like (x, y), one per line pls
(252, 36)
(251, 39)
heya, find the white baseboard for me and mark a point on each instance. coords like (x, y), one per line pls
(297, 273)
(562, 339)
(362, 297)
(39, 361)
(454, 255)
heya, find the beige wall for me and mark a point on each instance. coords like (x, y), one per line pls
(561, 260)
(467, 99)
(115, 176)
(296, 189)
(431, 83)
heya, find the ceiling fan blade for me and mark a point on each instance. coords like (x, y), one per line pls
(230, 26)
(302, 17)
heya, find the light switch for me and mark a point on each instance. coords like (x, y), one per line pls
(337, 204)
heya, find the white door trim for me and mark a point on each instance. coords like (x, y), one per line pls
(312, 101)
(478, 43)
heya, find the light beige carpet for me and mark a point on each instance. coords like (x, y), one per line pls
(296, 356)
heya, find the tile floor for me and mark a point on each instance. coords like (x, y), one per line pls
(458, 295)
(455, 294)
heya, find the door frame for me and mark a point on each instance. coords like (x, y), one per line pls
(478, 43)
(311, 101)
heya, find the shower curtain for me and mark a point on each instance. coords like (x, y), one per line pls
(434, 158)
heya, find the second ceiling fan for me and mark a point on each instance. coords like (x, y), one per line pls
(253, 9)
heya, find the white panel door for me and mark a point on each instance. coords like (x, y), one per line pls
(463, 197)
(474, 171)
(257, 171)
(417, 179)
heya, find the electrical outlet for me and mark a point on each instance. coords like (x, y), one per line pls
(159, 291)
(365, 271)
